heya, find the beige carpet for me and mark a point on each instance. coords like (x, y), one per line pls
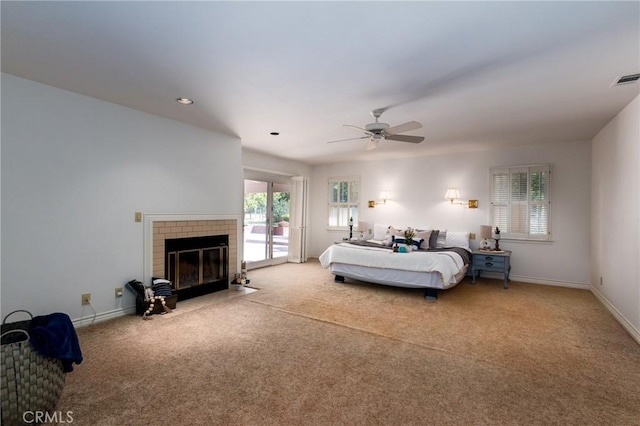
(306, 350)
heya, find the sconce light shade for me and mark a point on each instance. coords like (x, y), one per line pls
(452, 194)
(382, 199)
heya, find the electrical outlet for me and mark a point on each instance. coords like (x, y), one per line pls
(472, 236)
(118, 292)
(138, 217)
(86, 298)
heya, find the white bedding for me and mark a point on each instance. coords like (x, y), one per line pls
(447, 264)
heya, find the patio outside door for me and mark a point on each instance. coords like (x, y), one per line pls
(266, 222)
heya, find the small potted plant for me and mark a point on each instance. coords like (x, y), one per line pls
(409, 233)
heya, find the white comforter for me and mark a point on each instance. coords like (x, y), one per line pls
(446, 263)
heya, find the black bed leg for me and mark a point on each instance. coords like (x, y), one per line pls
(339, 279)
(431, 294)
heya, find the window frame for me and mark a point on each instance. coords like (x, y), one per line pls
(540, 203)
(349, 204)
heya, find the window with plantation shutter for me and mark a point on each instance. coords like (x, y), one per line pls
(520, 204)
(344, 201)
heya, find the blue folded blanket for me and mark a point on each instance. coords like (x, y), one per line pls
(54, 336)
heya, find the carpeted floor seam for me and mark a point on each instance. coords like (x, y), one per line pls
(386, 336)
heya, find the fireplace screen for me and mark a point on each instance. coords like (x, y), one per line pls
(189, 268)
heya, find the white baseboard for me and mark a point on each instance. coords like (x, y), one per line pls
(634, 332)
(534, 280)
(104, 316)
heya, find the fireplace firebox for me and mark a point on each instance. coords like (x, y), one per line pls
(197, 265)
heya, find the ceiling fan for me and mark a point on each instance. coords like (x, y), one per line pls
(377, 131)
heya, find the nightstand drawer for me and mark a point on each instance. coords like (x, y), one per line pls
(488, 260)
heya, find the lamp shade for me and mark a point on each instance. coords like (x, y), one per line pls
(384, 195)
(452, 194)
(485, 232)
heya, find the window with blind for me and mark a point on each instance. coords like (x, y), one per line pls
(520, 202)
(344, 201)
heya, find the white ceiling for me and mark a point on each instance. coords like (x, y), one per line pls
(477, 75)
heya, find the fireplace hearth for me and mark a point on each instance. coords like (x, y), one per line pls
(197, 265)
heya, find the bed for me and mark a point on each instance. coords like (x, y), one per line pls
(436, 268)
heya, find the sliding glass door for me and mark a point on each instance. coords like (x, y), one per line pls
(266, 222)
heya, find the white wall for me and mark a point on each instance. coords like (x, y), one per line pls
(74, 171)
(417, 187)
(254, 160)
(615, 229)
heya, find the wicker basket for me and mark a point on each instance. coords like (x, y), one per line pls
(29, 381)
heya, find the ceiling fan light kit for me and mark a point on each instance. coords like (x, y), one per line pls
(372, 144)
(378, 131)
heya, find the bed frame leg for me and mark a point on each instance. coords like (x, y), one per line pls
(339, 279)
(431, 294)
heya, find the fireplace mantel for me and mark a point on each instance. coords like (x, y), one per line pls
(229, 224)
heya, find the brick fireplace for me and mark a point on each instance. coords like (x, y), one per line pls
(161, 229)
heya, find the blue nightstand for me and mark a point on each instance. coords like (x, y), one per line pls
(491, 261)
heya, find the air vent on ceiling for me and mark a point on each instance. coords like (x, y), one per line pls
(626, 79)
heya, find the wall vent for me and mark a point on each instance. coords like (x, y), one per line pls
(626, 79)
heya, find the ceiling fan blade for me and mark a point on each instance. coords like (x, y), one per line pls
(373, 144)
(401, 128)
(350, 139)
(356, 127)
(405, 138)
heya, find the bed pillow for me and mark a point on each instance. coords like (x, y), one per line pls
(442, 239)
(380, 231)
(458, 239)
(388, 237)
(433, 239)
(424, 236)
(393, 231)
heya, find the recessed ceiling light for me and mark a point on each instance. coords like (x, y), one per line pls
(184, 101)
(274, 133)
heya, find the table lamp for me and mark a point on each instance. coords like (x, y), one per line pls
(485, 234)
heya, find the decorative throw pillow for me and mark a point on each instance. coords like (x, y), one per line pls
(433, 239)
(395, 231)
(391, 234)
(442, 239)
(424, 236)
(415, 243)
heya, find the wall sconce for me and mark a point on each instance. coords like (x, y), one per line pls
(383, 197)
(453, 195)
